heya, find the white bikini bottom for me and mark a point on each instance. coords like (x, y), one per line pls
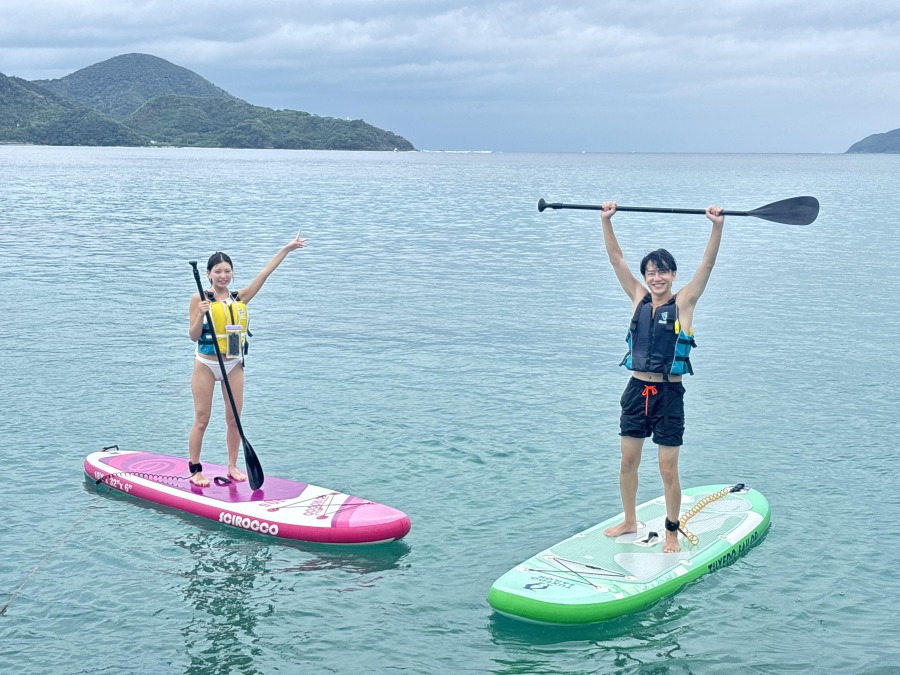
(214, 366)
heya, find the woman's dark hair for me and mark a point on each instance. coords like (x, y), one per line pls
(662, 259)
(217, 258)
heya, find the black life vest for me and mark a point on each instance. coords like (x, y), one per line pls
(654, 346)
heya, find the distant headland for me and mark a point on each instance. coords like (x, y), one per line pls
(143, 100)
(888, 142)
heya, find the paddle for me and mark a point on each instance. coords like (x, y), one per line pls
(254, 468)
(793, 211)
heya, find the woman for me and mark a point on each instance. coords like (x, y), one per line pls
(226, 307)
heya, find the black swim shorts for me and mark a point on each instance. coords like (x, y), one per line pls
(653, 408)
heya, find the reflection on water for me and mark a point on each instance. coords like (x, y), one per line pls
(234, 582)
(630, 642)
(221, 581)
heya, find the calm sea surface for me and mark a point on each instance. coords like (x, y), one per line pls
(441, 347)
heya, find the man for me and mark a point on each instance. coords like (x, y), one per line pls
(659, 341)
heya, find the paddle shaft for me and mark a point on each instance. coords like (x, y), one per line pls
(254, 468)
(641, 209)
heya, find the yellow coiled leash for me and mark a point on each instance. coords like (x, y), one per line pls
(699, 506)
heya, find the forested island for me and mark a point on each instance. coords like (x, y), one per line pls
(888, 142)
(143, 100)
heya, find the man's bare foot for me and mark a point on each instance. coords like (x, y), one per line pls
(622, 528)
(198, 480)
(671, 545)
(236, 474)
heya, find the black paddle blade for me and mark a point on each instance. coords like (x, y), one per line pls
(794, 211)
(254, 468)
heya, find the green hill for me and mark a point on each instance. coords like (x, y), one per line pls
(137, 99)
(232, 123)
(888, 142)
(120, 85)
(23, 105)
(29, 114)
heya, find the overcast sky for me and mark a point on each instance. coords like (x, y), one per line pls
(581, 75)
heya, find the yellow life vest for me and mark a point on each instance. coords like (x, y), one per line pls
(224, 313)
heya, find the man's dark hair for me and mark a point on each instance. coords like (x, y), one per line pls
(662, 259)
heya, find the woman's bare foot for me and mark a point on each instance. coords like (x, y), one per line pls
(671, 545)
(198, 480)
(236, 474)
(622, 528)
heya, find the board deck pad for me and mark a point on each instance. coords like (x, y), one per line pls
(590, 577)
(280, 507)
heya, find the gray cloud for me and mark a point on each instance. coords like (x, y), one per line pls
(675, 75)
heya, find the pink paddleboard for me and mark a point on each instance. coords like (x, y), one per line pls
(281, 508)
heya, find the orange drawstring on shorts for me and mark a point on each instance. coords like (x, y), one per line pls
(648, 389)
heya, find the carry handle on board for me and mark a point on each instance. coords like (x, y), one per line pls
(254, 468)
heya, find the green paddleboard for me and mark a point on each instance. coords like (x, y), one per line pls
(590, 577)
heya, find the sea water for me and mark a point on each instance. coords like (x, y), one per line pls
(442, 347)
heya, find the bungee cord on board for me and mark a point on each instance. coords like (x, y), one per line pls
(699, 506)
